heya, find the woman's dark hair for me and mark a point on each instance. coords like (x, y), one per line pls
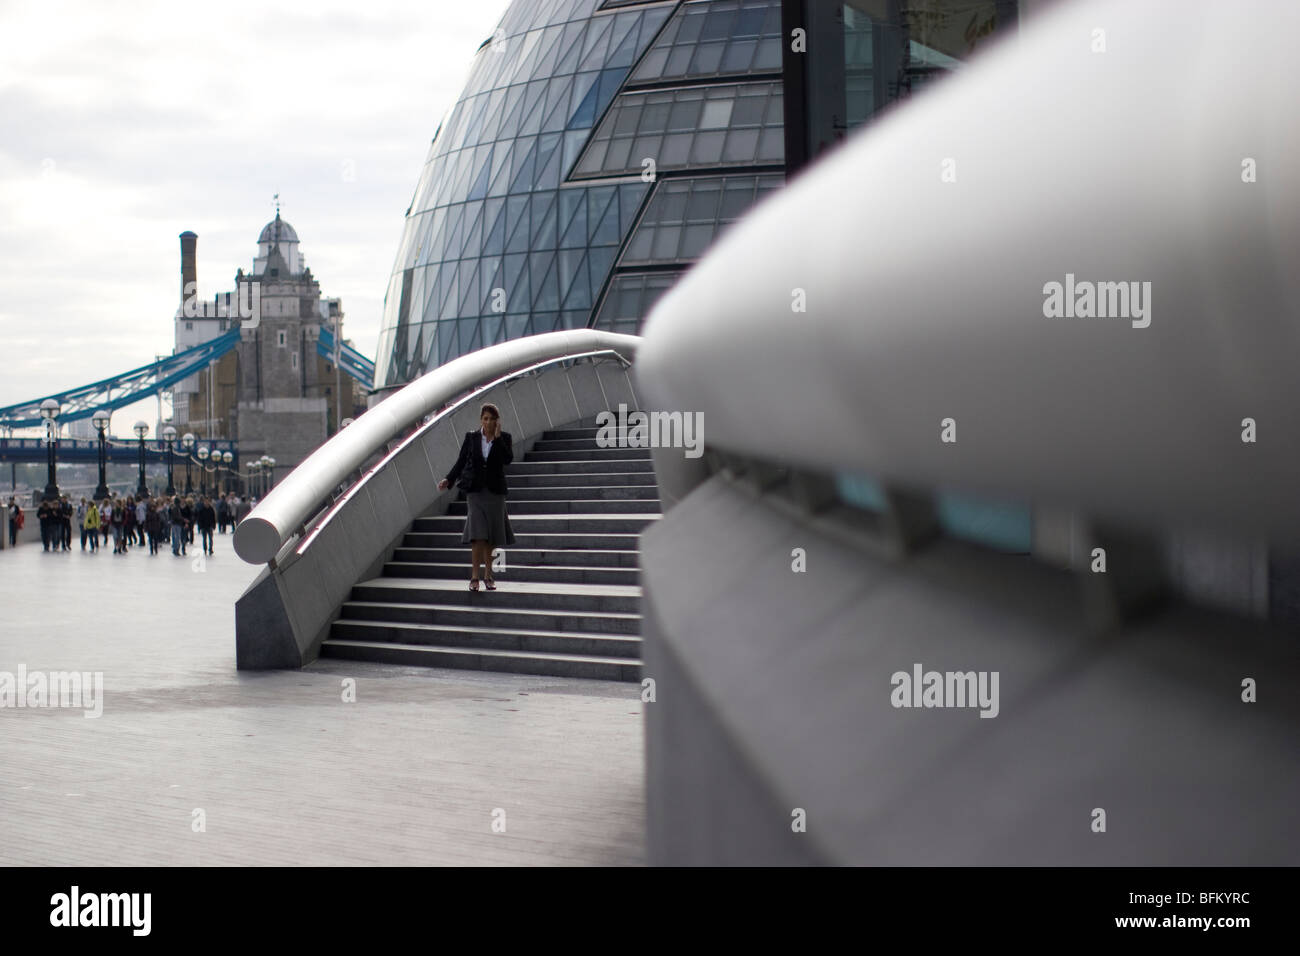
(489, 407)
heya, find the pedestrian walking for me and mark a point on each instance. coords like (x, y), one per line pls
(128, 522)
(15, 521)
(90, 527)
(46, 519)
(206, 517)
(177, 521)
(480, 473)
(65, 522)
(141, 513)
(118, 520)
(106, 518)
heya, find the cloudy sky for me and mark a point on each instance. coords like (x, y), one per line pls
(126, 123)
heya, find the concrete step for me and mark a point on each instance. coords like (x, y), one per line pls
(484, 615)
(561, 542)
(554, 574)
(572, 479)
(514, 662)
(537, 596)
(547, 524)
(602, 466)
(494, 638)
(524, 557)
(558, 492)
(559, 506)
(568, 434)
(586, 454)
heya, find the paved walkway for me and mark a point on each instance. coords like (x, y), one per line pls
(283, 770)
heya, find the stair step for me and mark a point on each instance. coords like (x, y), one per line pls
(558, 506)
(528, 557)
(545, 524)
(585, 541)
(556, 574)
(569, 480)
(515, 662)
(519, 594)
(491, 638)
(597, 466)
(487, 615)
(592, 453)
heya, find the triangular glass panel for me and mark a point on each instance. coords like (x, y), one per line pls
(547, 295)
(599, 201)
(545, 234)
(571, 45)
(479, 188)
(596, 44)
(574, 284)
(572, 148)
(584, 114)
(623, 40)
(494, 242)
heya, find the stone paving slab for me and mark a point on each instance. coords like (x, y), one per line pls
(283, 769)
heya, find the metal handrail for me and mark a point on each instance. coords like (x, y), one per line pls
(297, 497)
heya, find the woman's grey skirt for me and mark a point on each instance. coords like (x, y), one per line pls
(486, 519)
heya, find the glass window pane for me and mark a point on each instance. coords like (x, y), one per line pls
(665, 242)
(676, 149)
(695, 240)
(716, 115)
(748, 111)
(654, 119)
(628, 114)
(703, 206)
(707, 59)
(738, 56)
(741, 145)
(707, 148)
(684, 115)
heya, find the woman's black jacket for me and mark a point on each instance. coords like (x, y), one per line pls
(473, 472)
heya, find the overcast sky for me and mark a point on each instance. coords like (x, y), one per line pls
(123, 124)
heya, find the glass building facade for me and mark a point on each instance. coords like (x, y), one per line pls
(600, 147)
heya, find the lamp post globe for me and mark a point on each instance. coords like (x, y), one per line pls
(187, 442)
(141, 428)
(169, 436)
(50, 412)
(203, 453)
(100, 420)
(346, 422)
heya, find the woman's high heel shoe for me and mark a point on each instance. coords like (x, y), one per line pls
(490, 583)
(473, 584)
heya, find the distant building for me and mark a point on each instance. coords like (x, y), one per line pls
(274, 393)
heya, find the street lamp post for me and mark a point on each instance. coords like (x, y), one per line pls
(187, 442)
(226, 459)
(50, 412)
(100, 420)
(254, 467)
(169, 436)
(141, 429)
(203, 470)
(270, 474)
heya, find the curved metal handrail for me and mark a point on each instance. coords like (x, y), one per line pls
(909, 325)
(261, 535)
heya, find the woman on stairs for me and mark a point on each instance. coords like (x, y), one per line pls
(480, 472)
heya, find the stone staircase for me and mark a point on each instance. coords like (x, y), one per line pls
(568, 601)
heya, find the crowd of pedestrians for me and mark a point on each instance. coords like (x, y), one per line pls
(131, 521)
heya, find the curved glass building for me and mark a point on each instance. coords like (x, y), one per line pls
(599, 147)
(595, 152)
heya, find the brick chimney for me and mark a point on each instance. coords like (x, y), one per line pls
(189, 271)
